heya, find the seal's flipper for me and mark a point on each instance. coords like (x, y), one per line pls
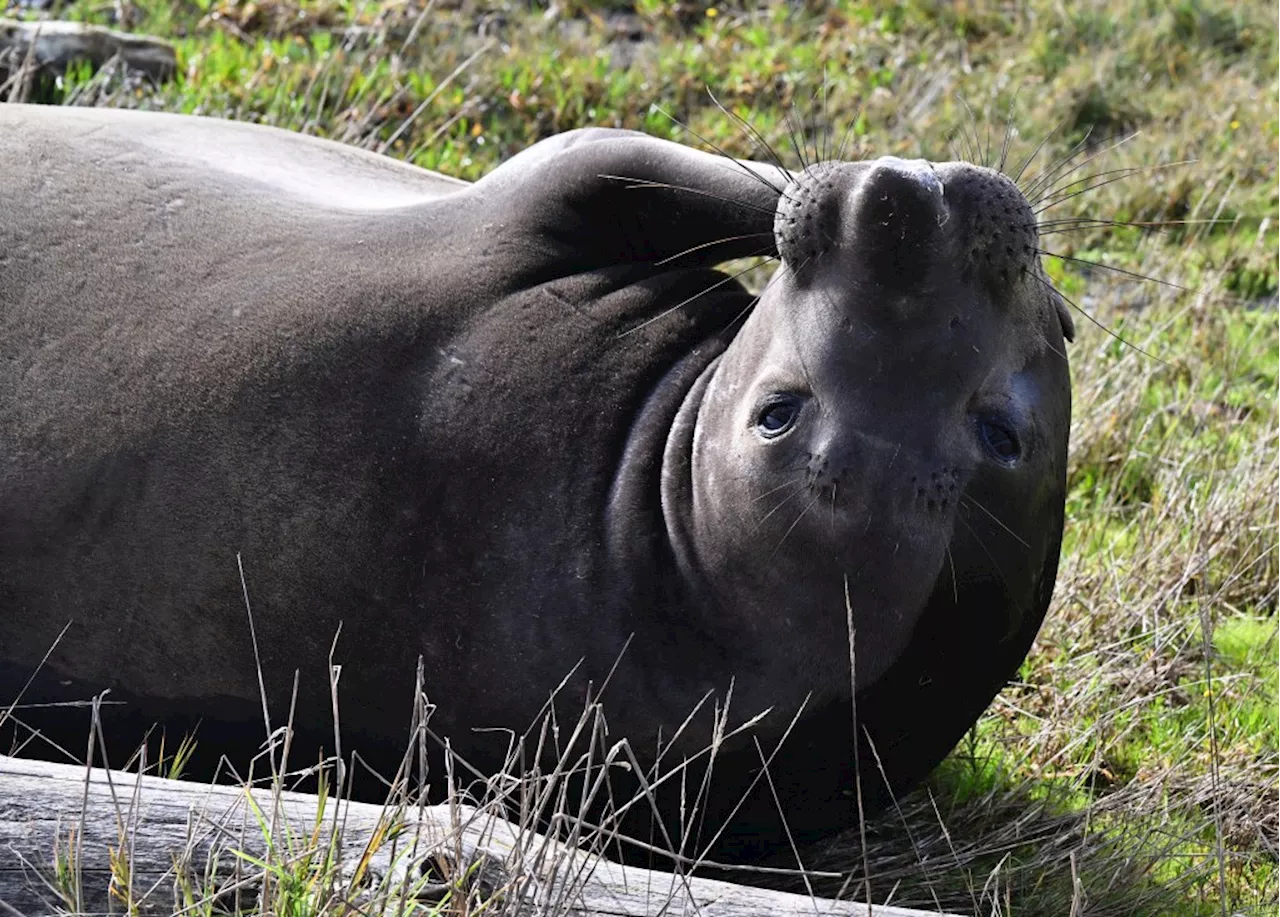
(612, 196)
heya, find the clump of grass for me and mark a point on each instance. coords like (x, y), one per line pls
(524, 839)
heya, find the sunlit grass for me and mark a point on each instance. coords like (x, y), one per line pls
(1142, 730)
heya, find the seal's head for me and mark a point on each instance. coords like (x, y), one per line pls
(902, 372)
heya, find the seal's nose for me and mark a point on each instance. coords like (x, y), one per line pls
(884, 216)
(894, 218)
(910, 183)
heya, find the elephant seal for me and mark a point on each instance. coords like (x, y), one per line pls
(520, 426)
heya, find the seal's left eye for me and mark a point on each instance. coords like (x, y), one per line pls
(777, 415)
(1000, 441)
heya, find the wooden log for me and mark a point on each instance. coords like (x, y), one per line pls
(172, 840)
(53, 45)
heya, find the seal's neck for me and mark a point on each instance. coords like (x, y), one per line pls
(676, 485)
(645, 521)
(652, 566)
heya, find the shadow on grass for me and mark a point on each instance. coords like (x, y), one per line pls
(976, 841)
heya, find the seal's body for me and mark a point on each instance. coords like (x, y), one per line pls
(516, 429)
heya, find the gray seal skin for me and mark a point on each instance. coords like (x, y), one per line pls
(514, 427)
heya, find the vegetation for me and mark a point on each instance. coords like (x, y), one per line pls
(1132, 768)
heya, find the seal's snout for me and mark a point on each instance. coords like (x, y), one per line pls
(896, 228)
(806, 225)
(887, 214)
(995, 222)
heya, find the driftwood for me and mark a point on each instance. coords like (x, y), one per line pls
(53, 44)
(167, 835)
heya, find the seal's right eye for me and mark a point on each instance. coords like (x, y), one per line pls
(778, 414)
(1000, 440)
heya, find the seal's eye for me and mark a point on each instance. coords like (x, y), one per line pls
(778, 414)
(1000, 441)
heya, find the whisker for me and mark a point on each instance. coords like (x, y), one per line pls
(1017, 176)
(967, 154)
(826, 116)
(646, 183)
(806, 117)
(955, 585)
(977, 140)
(986, 133)
(1044, 340)
(1068, 229)
(801, 266)
(695, 248)
(1124, 173)
(799, 486)
(1063, 189)
(1063, 199)
(848, 132)
(773, 490)
(1084, 162)
(804, 512)
(985, 550)
(735, 160)
(746, 310)
(1081, 224)
(791, 129)
(1069, 301)
(663, 314)
(1139, 224)
(821, 90)
(1038, 183)
(1108, 267)
(1008, 131)
(992, 516)
(754, 135)
(756, 299)
(834, 486)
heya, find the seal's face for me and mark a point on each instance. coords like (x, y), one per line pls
(892, 381)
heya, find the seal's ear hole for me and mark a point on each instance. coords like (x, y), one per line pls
(1065, 319)
(999, 440)
(778, 413)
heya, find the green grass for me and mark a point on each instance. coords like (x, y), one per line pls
(1132, 768)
